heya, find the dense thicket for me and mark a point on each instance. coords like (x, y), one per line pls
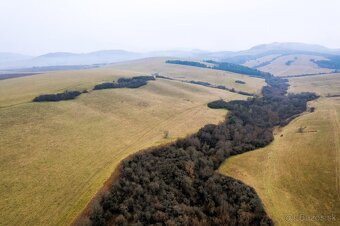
(177, 184)
(67, 95)
(333, 62)
(134, 82)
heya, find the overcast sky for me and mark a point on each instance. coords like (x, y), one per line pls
(40, 26)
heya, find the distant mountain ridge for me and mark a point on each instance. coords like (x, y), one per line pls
(284, 48)
(13, 61)
(67, 59)
(292, 46)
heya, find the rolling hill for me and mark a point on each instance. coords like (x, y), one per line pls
(258, 56)
(291, 59)
(56, 155)
(86, 138)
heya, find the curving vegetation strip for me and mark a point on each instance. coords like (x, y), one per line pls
(177, 184)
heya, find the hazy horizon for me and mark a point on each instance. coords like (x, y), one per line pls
(159, 50)
(37, 27)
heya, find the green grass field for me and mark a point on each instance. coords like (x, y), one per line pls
(299, 173)
(55, 156)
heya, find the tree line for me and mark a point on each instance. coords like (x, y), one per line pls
(332, 62)
(134, 82)
(177, 184)
(223, 66)
(236, 68)
(188, 63)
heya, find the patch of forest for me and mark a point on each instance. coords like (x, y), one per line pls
(177, 184)
(332, 62)
(134, 82)
(67, 95)
(223, 66)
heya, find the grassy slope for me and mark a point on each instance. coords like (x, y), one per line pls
(258, 61)
(158, 65)
(24, 89)
(299, 172)
(301, 65)
(55, 156)
(322, 84)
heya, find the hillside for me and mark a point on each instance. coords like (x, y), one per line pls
(247, 57)
(293, 59)
(298, 173)
(86, 138)
(285, 59)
